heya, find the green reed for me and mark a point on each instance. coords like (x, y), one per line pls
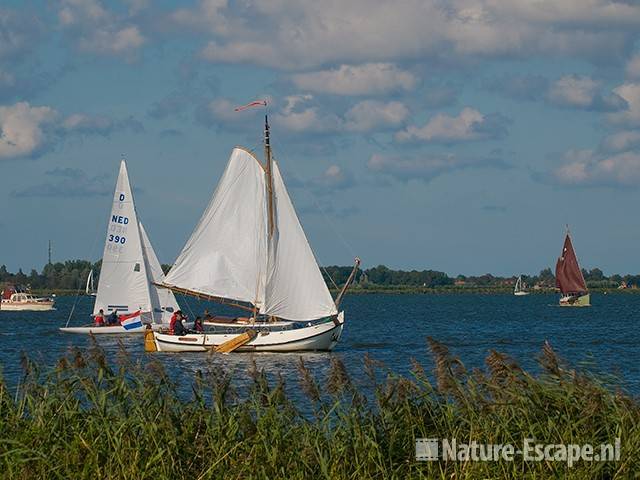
(92, 418)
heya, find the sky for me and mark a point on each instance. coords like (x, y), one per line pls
(458, 135)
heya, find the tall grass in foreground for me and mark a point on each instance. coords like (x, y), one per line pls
(90, 419)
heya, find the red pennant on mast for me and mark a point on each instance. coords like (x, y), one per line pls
(257, 103)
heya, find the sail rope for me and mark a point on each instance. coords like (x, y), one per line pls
(327, 219)
(91, 252)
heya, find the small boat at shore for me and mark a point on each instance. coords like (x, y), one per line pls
(16, 299)
(569, 278)
(130, 269)
(520, 288)
(249, 251)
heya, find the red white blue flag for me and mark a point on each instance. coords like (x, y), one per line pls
(257, 103)
(131, 321)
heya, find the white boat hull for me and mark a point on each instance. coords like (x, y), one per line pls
(208, 323)
(26, 306)
(323, 336)
(116, 329)
(521, 294)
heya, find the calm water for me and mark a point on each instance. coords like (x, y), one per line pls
(392, 328)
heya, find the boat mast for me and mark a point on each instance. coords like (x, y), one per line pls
(347, 284)
(267, 156)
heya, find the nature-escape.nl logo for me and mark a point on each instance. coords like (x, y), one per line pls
(433, 449)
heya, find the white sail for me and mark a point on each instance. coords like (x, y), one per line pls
(295, 289)
(123, 278)
(226, 254)
(163, 302)
(89, 287)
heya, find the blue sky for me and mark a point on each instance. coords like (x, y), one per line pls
(460, 136)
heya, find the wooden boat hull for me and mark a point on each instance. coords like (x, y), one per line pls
(319, 337)
(27, 306)
(574, 301)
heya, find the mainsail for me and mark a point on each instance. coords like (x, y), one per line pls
(123, 281)
(231, 254)
(569, 278)
(163, 302)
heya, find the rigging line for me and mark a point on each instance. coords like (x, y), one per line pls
(91, 252)
(321, 210)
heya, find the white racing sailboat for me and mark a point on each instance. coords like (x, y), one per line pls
(130, 269)
(250, 251)
(520, 288)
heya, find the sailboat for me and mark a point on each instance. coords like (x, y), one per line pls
(520, 288)
(569, 278)
(249, 250)
(130, 270)
(89, 288)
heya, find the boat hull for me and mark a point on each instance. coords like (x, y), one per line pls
(27, 307)
(115, 329)
(575, 301)
(521, 294)
(319, 337)
(209, 323)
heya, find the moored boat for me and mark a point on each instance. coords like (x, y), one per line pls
(18, 300)
(569, 278)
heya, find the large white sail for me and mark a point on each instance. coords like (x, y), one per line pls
(163, 301)
(123, 281)
(295, 289)
(226, 254)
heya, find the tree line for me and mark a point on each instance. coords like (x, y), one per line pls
(72, 275)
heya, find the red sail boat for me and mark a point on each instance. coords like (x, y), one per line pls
(569, 278)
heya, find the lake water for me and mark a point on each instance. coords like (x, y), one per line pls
(391, 328)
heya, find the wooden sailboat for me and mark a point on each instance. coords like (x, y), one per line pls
(569, 278)
(520, 288)
(130, 269)
(250, 251)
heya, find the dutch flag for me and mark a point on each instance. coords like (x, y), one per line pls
(131, 321)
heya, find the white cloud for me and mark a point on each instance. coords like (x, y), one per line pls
(370, 115)
(28, 131)
(583, 92)
(366, 79)
(621, 141)
(630, 92)
(332, 179)
(587, 168)
(94, 29)
(632, 68)
(469, 125)
(22, 129)
(305, 35)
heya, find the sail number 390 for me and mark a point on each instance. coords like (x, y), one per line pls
(117, 239)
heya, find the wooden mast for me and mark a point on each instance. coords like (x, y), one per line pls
(348, 283)
(268, 173)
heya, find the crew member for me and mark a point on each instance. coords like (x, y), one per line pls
(99, 318)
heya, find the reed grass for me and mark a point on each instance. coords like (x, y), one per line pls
(90, 417)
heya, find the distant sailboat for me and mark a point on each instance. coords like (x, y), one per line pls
(129, 270)
(569, 278)
(90, 289)
(250, 251)
(520, 288)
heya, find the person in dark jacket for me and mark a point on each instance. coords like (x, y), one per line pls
(197, 325)
(112, 319)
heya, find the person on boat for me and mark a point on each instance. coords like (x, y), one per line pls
(175, 324)
(112, 319)
(99, 319)
(207, 316)
(197, 325)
